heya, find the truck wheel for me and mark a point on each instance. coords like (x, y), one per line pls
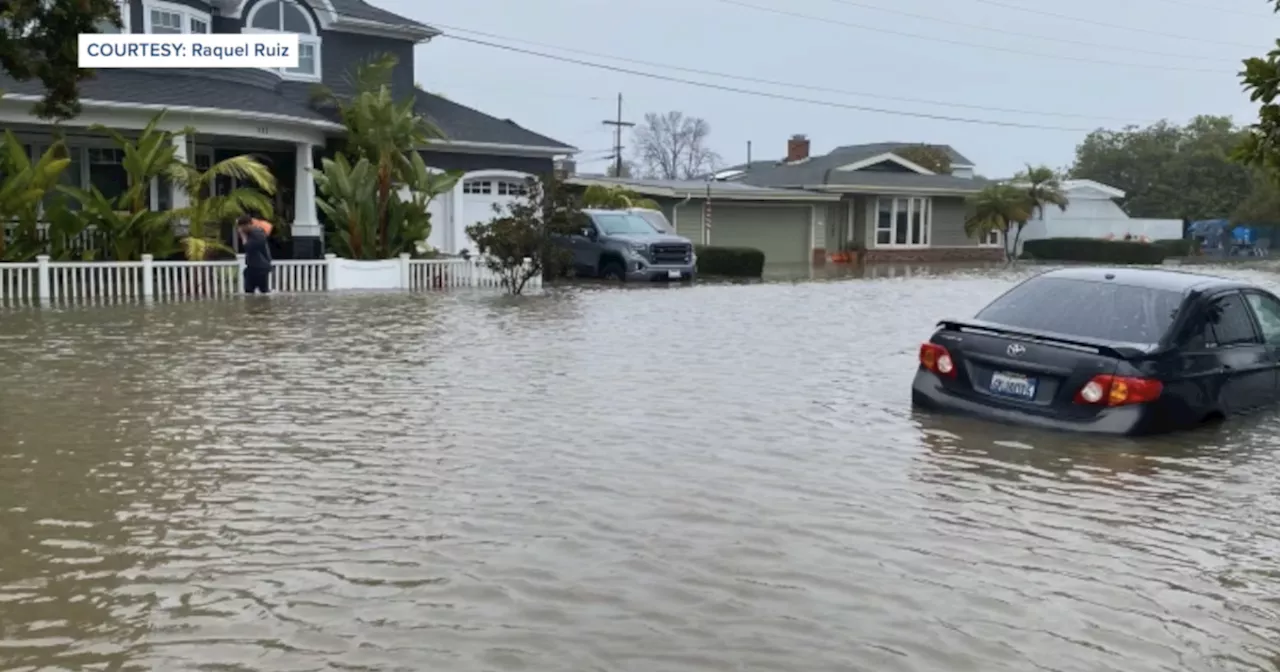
(613, 270)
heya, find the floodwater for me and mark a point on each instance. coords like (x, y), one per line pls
(722, 477)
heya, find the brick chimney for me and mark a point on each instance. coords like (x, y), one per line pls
(797, 148)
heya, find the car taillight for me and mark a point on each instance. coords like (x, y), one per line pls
(1119, 391)
(935, 358)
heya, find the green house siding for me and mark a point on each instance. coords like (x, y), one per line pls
(948, 223)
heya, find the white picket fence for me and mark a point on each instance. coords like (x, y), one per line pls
(46, 281)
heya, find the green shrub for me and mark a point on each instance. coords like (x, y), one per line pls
(1180, 247)
(1095, 250)
(735, 262)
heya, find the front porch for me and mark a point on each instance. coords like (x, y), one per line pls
(98, 162)
(916, 227)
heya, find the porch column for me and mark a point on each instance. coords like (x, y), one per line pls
(179, 196)
(307, 234)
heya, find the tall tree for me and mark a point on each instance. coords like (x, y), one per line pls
(673, 146)
(38, 40)
(628, 169)
(1169, 171)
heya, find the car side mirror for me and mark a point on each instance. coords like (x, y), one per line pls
(590, 233)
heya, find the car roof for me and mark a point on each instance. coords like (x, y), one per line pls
(1153, 278)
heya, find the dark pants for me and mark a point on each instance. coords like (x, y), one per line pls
(257, 280)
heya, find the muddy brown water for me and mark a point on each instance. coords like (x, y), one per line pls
(719, 477)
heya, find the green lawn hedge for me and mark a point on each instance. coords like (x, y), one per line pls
(734, 262)
(1180, 247)
(1096, 250)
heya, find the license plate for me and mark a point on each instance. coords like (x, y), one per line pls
(674, 275)
(1013, 385)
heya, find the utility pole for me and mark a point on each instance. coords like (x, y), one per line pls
(748, 153)
(618, 124)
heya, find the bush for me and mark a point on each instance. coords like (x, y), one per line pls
(1180, 247)
(1095, 250)
(736, 262)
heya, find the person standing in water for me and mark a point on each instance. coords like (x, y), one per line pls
(257, 255)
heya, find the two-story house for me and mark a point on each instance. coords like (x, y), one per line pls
(268, 113)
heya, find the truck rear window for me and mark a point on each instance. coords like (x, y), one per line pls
(1082, 308)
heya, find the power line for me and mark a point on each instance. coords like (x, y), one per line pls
(1217, 10)
(976, 45)
(1003, 31)
(1193, 38)
(766, 94)
(793, 85)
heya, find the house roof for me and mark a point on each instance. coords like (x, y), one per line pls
(243, 90)
(363, 11)
(822, 170)
(464, 124)
(698, 188)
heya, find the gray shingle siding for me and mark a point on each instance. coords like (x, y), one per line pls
(342, 52)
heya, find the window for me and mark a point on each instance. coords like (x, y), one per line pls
(1230, 322)
(615, 224)
(106, 172)
(511, 189)
(1082, 308)
(903, 222)
(166, 18)
(1267, 310)
(477, 187)
(106, 27)
(287, 16)
(992, 238)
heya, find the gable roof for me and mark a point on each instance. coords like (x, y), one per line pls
(840, 168)
(464, 124)
(363, 11)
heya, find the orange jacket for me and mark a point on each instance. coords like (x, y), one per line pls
(264, 225)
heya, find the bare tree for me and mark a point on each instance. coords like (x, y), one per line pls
(672, 146)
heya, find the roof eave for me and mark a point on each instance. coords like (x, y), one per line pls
(470, 147)
(868, 189)
(417, 32)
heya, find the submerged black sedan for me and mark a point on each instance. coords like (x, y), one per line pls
(1108, 350)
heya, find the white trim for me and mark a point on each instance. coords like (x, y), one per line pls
(467, 146)
(889, 157)
(926, 232)
(813, 229)
(879, 191)
(187, 14)
(327, 14)
(233, 115)
(378, 29)
(986, 242)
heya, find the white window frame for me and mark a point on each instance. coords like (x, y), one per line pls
(478, 187)
(187, 14)
(925, 206)
(992, 238)
(312, 39)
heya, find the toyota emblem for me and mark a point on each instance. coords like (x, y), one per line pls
(1015, 350)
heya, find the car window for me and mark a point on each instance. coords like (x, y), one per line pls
(1267, 310)
(1230, 322)
(1098, 310)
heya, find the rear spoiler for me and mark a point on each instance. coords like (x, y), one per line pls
(1107, 348)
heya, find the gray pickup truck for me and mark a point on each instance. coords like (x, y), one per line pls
(623, 245)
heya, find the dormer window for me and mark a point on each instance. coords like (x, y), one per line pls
(167, 18)
(286, 16)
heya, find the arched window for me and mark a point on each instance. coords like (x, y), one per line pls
(285, 16)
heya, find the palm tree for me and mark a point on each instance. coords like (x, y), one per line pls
(379, 129)
(204, 208)
(999, 207)
(1043, 187)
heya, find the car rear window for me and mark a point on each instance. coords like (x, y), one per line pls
(1097, 310)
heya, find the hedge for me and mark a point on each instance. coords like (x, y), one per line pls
(1096, 250)
(735, 262)
(1180, 247)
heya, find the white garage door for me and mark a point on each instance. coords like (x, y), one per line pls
(781, 232)
(479, 196)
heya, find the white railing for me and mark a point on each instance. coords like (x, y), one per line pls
(68, 281)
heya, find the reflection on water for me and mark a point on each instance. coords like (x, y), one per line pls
(717, 477)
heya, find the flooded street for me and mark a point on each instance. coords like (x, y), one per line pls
(722, 477)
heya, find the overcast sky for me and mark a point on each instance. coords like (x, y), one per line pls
(1137, 61)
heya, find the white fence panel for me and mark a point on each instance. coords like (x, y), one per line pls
(19, 283)
(174, 280)
(300, 276)
(443, 274)
(95, 281)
